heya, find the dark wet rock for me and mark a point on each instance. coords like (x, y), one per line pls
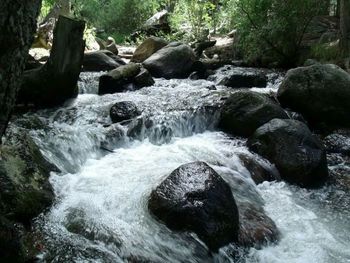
(128, 77)
(114, 137)
(77, 223)
(148, 47)
(320, 92)
(124, 110)
(338, 142)
(143, 79)
(173, 61)
(136, 128)
(256, 228)
(11, 244)
(245, 111)
(31, 122)
(260, 173)
(200, 71)
(289, 144)
(195, 198)
(102, 60)
(24, 179)
(245, 78)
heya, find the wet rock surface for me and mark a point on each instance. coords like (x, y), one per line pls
(195, 198)
(320, 92)
(172, 61)
(245, 111)
(298, 155)
(260, 173)
(124, 110)
(128, 77)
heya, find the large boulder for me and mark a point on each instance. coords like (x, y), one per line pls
(195, 198)
(245, 111)
(298, 155)
(320, 92)
(148, 47)
(24, 177)
(173, 61)
(128, 77)
(124, 110)
(245, 78)
(102, 60)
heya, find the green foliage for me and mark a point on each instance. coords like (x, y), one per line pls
(326, 52)
(117, 18)
(198, 17)
(45, 8)
(273, 29)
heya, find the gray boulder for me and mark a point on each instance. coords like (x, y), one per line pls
(321, 93)
(173, 61)
(245, 111)
(148, 47)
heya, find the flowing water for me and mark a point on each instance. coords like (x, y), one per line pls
(108, 172)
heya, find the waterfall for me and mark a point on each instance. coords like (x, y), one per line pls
(109, 170)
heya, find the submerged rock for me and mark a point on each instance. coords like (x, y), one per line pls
(129, 77)
(195, 198)
(148, 47)
(320, 92)
(256, 228)
(143, 79)
(338, 142)
(124, 110)
(298, 155)
(245, 111)
(172, 61)
(114, 137)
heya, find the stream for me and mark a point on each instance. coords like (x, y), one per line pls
(109, 170)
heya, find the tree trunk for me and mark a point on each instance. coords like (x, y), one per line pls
(345, 27)
(56, 81)
(326, 4)
(337, 10)
(17, 28)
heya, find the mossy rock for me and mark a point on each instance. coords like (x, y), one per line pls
(24, 173)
